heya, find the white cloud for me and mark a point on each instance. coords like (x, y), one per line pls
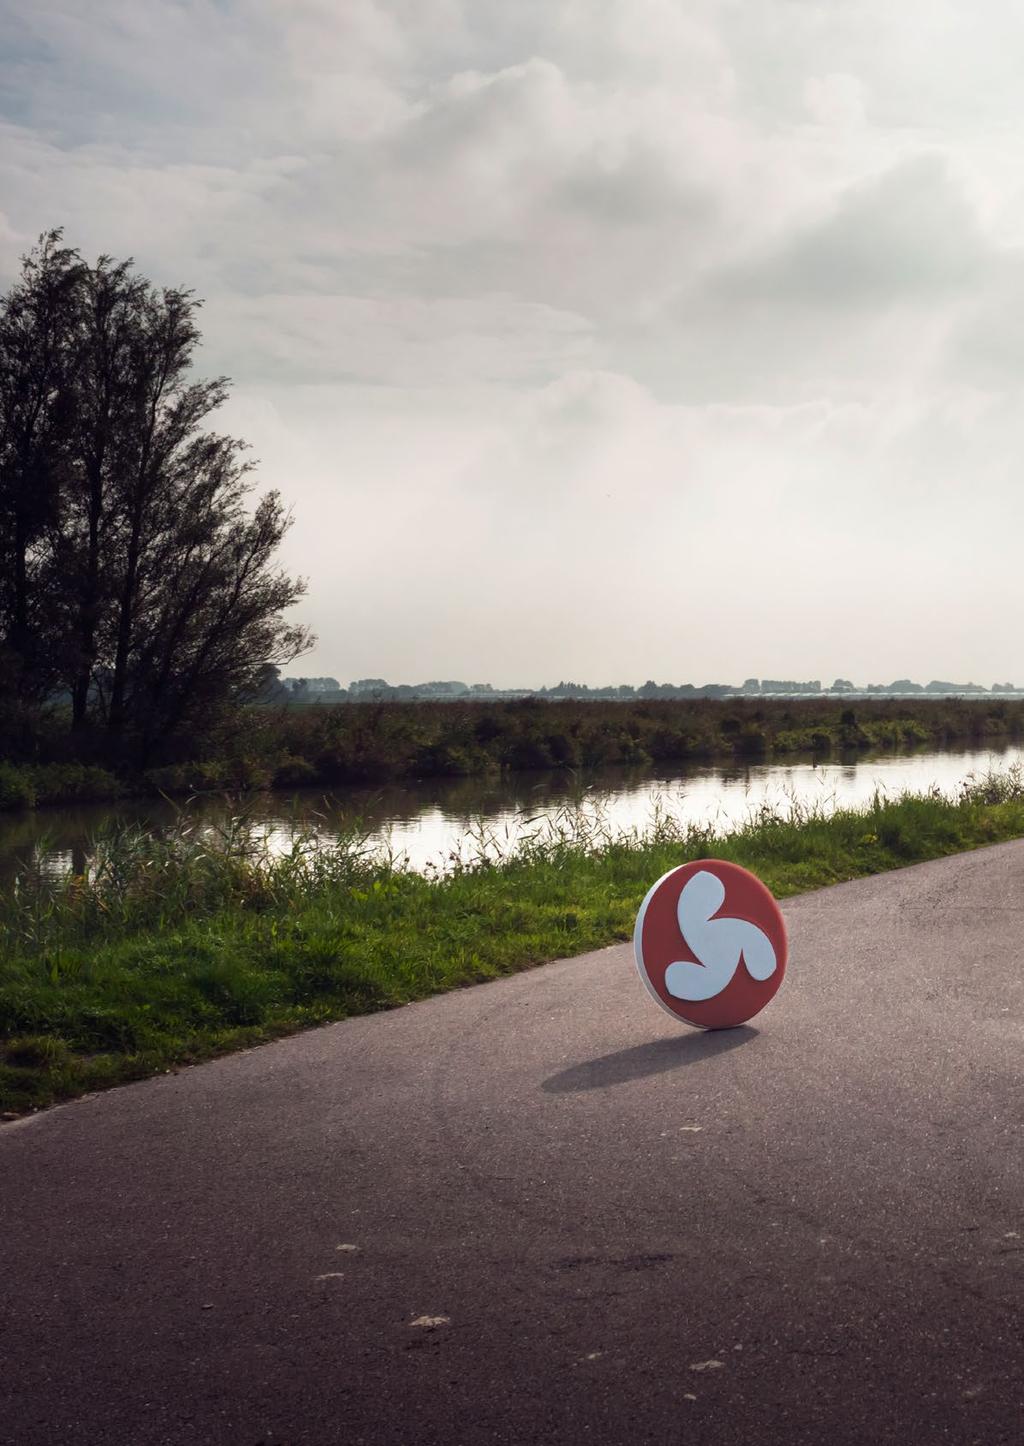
(906, 235)
(836, 100)
(609, 340)
(399, 340)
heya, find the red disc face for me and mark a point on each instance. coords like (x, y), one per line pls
(710, 944)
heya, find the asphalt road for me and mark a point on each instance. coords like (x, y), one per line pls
(539, 1211)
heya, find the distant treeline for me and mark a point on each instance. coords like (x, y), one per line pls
(308, 690)
(382, 741)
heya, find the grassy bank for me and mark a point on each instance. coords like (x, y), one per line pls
(329, 746)
(176, 951)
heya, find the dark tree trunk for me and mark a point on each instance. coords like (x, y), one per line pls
(89, 612)
(19, 633)
(126, 613)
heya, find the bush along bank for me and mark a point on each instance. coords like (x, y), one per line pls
(332, 745)
(27, 787)
(170, 952)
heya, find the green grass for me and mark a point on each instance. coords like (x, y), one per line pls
(176, 950)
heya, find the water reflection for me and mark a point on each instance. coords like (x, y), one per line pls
(427, 823)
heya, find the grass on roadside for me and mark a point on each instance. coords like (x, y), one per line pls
(178, 949)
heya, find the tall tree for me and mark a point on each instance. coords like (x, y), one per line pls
(155, 576)
(37, 355)
(102, 397)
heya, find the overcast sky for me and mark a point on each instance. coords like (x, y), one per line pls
(591, 339)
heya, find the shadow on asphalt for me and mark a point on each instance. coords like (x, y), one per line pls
(645, 1059)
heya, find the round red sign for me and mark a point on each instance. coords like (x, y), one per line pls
(710, 944)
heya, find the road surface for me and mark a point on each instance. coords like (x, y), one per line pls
(540, 1211)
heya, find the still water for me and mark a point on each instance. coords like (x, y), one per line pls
(429, 823)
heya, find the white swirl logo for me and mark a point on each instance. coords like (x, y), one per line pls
(719, 944)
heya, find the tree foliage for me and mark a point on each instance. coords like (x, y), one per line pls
(135, 576)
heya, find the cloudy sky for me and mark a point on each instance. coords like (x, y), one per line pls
(593, 339)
